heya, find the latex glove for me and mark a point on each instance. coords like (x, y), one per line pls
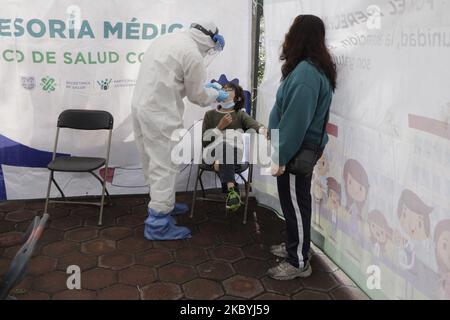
(214, 85)
(223, 96)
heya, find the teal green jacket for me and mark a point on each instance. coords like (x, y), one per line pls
(302, 102)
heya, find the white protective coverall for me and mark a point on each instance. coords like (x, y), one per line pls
(172, 68)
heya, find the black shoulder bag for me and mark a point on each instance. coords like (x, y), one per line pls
(305, 160)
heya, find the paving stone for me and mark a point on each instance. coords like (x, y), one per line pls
(75, 295)
(7, 226)
(116, 261)
(272, 296)
(215, 269)
(130, 221)
(60, 248)
(202, 289)
(106, 222)
(133, 245)
(41, 264)
(10, 239)
(155, 258)
(162, 291)
(65, 223)
(116, 233)
(348, 293)
(191, 255)
(9, 206)
(85, 262)
(311, 295)
(172, 245)
(204, 240)
(282, 287)
(212, 227)
(236, 238)
(177, 273)
(85, 212)
(82, 234)
(50, 236)
(251, 267)
(137, 275)
(119, 292)
(243, 287)
(257, 251)
(98, 246)
(227, 253)
(96, 279)
(34, 295)
(20, 215)
(320, 281)
(51, 282)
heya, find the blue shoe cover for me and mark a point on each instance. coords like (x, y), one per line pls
(160, 226)
(179, 209)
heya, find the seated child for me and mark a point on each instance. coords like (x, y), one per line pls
(222, 138)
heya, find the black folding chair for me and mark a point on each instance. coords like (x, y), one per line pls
(81, 120)
(240, 169)
(18, 267)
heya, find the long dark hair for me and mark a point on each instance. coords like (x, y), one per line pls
(306, 40)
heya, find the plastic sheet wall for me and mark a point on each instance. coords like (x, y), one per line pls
(381, 207)
(60, 54)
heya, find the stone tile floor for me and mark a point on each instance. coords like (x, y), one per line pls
(223, 260)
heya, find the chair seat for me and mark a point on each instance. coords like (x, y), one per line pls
(76, 164)
(239, 168)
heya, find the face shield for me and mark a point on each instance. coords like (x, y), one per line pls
(219, 43)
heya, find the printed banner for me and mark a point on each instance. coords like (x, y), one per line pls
(57, 55)
(381, 206)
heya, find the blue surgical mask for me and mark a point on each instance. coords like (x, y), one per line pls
(228, 106)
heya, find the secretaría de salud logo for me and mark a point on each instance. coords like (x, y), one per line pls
(48, 84)
(28, 83)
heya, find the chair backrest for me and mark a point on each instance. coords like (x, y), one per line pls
(18, 267)
(86, 119)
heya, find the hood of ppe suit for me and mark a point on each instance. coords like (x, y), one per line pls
(204, 42)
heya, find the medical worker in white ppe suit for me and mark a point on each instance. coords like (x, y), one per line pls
(174, 67)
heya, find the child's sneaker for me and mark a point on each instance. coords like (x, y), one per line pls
(233, 200)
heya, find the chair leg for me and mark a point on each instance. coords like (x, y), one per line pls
(247, 191)
(102, 203)
(50, 178)
(59, 189)
(195, 195)
(101, 182)
(201, 184)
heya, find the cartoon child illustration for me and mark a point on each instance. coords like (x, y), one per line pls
(334, 204)
(318, 186)
(380, 233)
(414, 218)
(356, 190)
(442, 251)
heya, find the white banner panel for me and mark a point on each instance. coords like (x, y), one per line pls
(56, 55)
(381, 196)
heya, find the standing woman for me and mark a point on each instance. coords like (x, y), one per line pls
(300, 114)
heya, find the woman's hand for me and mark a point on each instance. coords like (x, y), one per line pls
(225, 122)
(277, 170)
